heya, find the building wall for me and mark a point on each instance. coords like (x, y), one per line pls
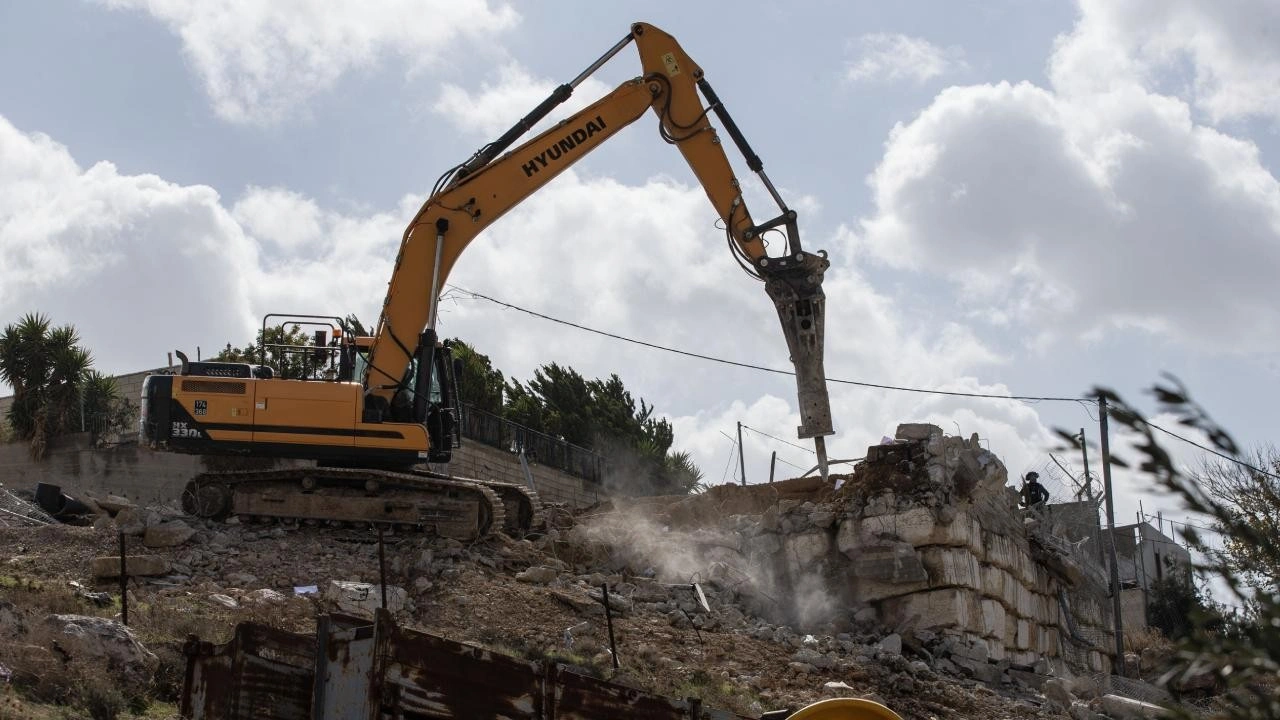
(146, 476)
(1133, 608)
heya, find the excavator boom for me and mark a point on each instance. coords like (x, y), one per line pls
(480, 190)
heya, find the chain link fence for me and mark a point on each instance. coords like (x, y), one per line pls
(17, 512)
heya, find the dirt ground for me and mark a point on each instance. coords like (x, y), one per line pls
(466, 593)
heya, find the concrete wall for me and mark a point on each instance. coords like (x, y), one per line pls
(146, 476)
(480, 461)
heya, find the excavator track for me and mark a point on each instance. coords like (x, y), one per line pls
(440, 505)
(522, 505)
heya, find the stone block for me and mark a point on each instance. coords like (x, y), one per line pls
(919, 527)
(890, 562)
(993, 618)
(948, 608)
(135, 565)
(1022, 640)
(804, 550)
(948, 566)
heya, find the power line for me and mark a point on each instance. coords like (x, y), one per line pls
(784, 442)
(761, 368)
(1211, 451)
(1083, 402)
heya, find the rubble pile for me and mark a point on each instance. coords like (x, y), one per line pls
(924, 540)
(915, 580)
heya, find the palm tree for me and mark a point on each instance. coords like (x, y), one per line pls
(47, 369)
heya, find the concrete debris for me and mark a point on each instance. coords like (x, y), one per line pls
(538, 575)
(100, 639)
(357, 598)
(135, 566)
(167, 534)
(1055, 690)
(225, 601)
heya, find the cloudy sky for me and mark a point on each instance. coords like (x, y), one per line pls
(1018, 197)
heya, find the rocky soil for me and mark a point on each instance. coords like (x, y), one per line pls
(530, 597)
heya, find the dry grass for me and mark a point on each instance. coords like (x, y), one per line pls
(49, 683)
(1147, 639)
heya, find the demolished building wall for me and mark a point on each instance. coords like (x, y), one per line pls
(923, 539)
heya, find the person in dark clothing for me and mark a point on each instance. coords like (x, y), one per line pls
(1034, 495)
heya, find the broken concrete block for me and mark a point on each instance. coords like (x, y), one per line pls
(537, 575)
(168, 534)
(357, 598)
(1056, 692)
(917, 431)
(114, 503)
(891, 644)
(136, 566)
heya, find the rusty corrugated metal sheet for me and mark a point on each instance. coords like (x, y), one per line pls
(261, 673)
(384, 672)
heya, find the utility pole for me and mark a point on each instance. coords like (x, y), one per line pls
(1088, 478)
(742, 463)
(773, 463)
(1111, 532)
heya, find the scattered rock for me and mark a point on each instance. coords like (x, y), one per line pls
(264, 596)
(891, 644)
(225, 601)
(1056, 692)
(538, 575)
(357, 598)
(135, 565)
(169, 534)
(103, 640)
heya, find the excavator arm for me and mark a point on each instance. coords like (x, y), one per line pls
(474, 194)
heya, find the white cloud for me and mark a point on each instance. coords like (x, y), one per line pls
(891, 57)
(143, 266)
(1231, 49)
(259, 61)
(498, 105)
(139, 265)
(1084, 207)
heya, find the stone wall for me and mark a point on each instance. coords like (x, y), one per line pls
(146, 476)
(949, 550)
(925, 539)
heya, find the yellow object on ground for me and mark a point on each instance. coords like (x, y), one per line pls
(846, 709)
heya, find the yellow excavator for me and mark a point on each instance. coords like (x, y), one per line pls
(386, 405)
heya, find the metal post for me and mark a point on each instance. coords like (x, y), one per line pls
(742, 463)
(608, 618)
(124, 584)
(382, 568)
(1088, 479)
(1111, 531)
(773, 463)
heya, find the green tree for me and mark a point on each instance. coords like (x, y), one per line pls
(273, 349)
(480, 385)
(52, 380)
(1251, 495)
(1241, 653)
(602, 415)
